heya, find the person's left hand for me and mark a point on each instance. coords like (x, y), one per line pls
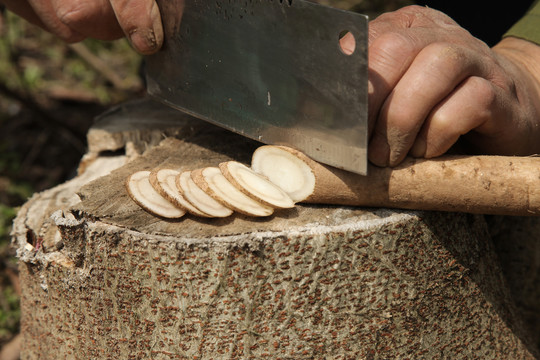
(431, 82)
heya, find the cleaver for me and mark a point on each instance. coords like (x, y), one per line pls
(271, 70)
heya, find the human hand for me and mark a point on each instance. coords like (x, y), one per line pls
(431, 82)
(75, 20)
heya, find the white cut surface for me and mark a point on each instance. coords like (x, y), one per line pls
(285, 170)
(142, 192)
(166, 180)
(255, 185)
(230, 195)
(198, 198)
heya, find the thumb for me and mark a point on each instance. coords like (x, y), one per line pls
(141, 22)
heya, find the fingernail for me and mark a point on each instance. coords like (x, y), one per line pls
(157, 26)
(395, 158)
(143, 41)
(148, 40)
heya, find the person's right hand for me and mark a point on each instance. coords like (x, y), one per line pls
(75, 20)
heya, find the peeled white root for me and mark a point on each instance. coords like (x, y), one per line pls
(141, 191)
(281, 178)
(255, 185)
(164, 181)
(215, 184)
(198, 198)
(287, 168)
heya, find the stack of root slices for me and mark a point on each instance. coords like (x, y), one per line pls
(278, 178)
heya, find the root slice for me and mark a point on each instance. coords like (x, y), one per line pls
(287, 168)
(215, 184)
(164, 181)
(198, 198)
(141, 191)
(255, 185)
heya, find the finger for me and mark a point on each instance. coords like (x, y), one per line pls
(389, 57)
(395, 39)
(94, 19)
(407, 17)
(347, 43)
(471, 105)
(24, 10)
(141, 22)
(434, 74)
(47, 14)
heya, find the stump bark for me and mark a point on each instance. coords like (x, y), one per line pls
(102, 279)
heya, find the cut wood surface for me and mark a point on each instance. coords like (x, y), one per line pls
(111, 281)
(107, 199)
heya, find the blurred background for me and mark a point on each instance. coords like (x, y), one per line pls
(50, 92)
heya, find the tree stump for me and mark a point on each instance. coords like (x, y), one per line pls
(103, 279)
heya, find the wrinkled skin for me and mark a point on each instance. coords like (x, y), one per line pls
(75, 20)
(430, 81)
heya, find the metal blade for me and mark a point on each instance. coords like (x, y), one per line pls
(272, 70)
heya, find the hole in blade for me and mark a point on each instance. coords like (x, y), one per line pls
(347, 42)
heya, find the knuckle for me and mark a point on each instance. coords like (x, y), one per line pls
(447, 63)
(392, 41)
(485, 97)
(480, 98)
(391, 50)
(449, 55)
(444, 123)
(483, 88)
(450, 122)
(72, 14)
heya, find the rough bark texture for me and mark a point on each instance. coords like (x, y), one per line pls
(497, 185)
(102, 279)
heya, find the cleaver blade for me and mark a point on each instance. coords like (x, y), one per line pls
(271, 70)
